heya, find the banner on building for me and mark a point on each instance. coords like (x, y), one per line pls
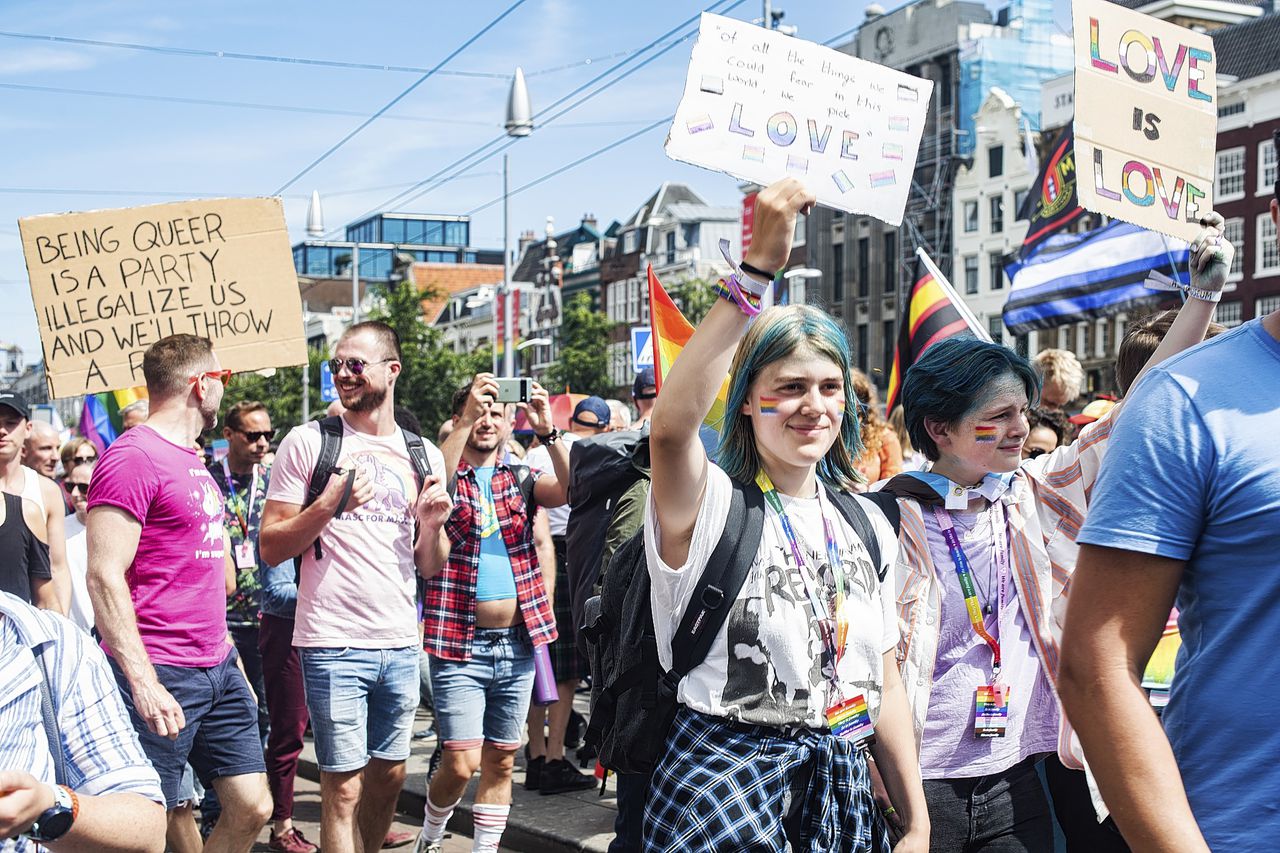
(1146, 118)
(1051, 202)
(107, 284)
(748, 220)
(760, 106)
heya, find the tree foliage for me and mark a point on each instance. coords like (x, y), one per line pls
(281, 392)
(694, 297)
(583, 363)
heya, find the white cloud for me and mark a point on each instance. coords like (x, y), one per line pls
(38, 59)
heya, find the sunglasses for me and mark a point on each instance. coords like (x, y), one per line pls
(223, 375)
(354, 366)
(1037, 453)
(77, 488)
(81, 460)
(259, 435)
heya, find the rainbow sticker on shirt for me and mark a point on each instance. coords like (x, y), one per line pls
(984, 434)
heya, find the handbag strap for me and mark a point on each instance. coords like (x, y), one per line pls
(51, 730)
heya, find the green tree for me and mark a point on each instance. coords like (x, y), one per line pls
(694, 297)
(281, 392)
(583, 364)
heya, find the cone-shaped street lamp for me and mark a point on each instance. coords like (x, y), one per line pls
(519, 124)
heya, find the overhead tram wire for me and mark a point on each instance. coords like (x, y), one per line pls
(371, 119)
(412, 192)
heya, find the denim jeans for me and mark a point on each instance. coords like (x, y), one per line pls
(998, 813)
(485, 699)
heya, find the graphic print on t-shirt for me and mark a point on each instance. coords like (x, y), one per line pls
(209, 500)
(393, 485)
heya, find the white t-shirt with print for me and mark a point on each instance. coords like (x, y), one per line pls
(765, 666)
(360, 593)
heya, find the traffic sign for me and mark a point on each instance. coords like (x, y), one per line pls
(328, 392)
(641, 348)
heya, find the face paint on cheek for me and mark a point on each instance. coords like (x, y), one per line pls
(984, 434)
(769, 405)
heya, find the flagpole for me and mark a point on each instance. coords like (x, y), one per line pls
(953, 296)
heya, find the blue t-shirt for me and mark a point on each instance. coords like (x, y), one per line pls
(495, 579)
(1193, 474)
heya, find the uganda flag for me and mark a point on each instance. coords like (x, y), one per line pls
(932, 311)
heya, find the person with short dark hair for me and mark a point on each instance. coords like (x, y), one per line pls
(1046, 431)
(157, 579)
(644, 393)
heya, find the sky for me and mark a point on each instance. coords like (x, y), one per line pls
(200, 125)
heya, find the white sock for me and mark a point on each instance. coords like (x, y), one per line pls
(490, 821)
(433, 822)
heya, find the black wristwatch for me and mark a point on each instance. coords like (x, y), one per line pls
(550, 438)
(56, 821)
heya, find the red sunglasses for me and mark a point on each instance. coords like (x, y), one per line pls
(223, 375)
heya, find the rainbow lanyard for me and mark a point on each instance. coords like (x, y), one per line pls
(243, 512)
(965, 574)
(833, 641)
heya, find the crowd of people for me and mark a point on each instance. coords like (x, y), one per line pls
(951, 662)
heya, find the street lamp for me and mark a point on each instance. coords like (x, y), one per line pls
(801, 274)
(518, 125)
(315, 230)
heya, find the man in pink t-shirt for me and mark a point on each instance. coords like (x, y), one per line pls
(157, 579)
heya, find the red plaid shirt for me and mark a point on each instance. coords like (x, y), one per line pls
(449, 610)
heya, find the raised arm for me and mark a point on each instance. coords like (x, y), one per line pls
(553, 490)
(678, 462)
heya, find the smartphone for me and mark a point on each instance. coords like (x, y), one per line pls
(515, 390)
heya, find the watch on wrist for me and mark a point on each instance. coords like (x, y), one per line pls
(550, 438)
(56, 821)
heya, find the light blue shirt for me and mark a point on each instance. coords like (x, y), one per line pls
(495, 578)
(1193, 474)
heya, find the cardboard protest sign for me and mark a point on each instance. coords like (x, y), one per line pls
(760, 105)
(1146, 118)
(109, 283)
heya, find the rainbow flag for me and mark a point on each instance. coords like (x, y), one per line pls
(671, 331)
(100, 420)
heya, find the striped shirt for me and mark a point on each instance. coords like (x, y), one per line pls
(99, 744)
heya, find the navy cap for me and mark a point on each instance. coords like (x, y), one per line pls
(15, 401)
(646, 385)
(595, 406)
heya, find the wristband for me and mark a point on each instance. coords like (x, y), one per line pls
(1204, 295)
(756, 272)
(745, 282)
(550, 438)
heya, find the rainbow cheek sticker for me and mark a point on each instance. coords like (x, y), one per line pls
(985, 434)
(769, 405)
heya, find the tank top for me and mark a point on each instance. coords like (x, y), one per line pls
(22, 555)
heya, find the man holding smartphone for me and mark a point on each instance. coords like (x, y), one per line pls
(486, 605)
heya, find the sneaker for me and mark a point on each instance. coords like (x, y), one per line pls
(397, 839)
(561, 777)
(533, 773)
(426, 735)
(425, 846)
(291, 841)
(573, 730)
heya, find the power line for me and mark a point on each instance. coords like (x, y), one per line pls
(371, 119)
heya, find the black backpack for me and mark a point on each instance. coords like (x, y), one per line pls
(633, 698)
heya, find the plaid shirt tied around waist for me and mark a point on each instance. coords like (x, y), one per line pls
(449, 609)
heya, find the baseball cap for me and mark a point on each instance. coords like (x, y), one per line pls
(645, 380)
(15, 401)
(595, 406)
(1092, 412)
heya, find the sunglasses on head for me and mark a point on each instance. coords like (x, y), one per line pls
(223, 376)
(354, 366)
(76, 488)
(257, 435)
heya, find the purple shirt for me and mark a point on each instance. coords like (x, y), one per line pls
(178, 577)
(949, 749)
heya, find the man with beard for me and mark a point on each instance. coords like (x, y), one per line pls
(356, 619)
(157, 580)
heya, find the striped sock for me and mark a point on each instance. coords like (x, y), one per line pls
(490, 821)
(434, 820)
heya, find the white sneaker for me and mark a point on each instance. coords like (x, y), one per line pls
(425, 846)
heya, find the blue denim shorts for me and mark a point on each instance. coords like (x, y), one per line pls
(485, 699)
(361, 703)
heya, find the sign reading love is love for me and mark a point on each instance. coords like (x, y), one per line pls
(760, 105)
(1146, 118)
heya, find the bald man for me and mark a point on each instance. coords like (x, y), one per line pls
(40, 451)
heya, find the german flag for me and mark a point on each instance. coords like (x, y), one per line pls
(932, 312)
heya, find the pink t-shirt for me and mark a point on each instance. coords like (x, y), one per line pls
(360, 593)
(178, 577)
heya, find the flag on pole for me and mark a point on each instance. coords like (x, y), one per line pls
(100, 420)
(1051, 203)
(932, 312)
(1074, 277)
(671, 331)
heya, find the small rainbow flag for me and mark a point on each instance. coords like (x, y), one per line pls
(882, 179)
(769, 405)
(100, 420)
(984, 433)
(671, 331)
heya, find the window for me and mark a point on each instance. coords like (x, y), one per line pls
(970, 275)
(944, 83)
(1268, 256)
(1229, 313)
(997, 271)
(837, 273)
(995, 161)
(1266, 167)
(1233, 230)
(629, 242)
(393, 230)
(888, 345)
(997, 213)
(890, 261)
(433, 233)
(970, 217)
(455, 233)
(860, 356)
(995, 327)
(864, 266)
(1230, 174)
(1231, 109)
(1266, 305)
(671, 247)
(1019, 202)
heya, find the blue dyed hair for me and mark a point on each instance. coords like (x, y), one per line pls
(950, 379)
(776, 334)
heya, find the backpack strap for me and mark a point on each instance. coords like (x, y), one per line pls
(526, 480)
(330, 450)
(856, 516)
(418, 456)
(721, 581)
(50, 719)
(888, 504)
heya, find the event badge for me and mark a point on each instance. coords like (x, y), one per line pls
(991, 714)
(245, 558)
(851, 720)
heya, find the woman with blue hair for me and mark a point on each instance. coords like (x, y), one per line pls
(769, 748)
(986, 552)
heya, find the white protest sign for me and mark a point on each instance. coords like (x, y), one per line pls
(1146, 118)
(760, 105)
(107, 284)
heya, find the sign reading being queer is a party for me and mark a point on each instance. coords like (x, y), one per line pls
(1146, 118)
(760, 106)
(107, 284)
